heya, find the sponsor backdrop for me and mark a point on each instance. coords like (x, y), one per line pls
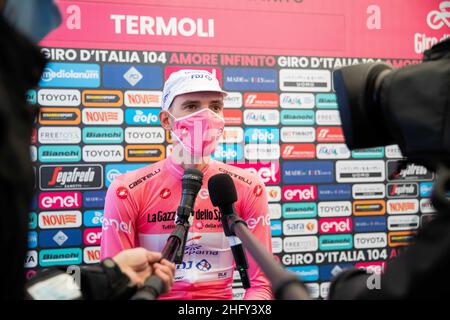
(330, 208)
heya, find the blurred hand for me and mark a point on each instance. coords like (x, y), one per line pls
(138, 264)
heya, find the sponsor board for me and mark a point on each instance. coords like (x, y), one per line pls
(102, 135)
(334, 192)
(228, 152)
(250, 79)
(299, 193)
(297, 101)
(360, 171)
(368, 191)
(60, 238)
(233, 100)
(63, 116)
(262, 151)
(305, 80)
(298, 134)
(326, 101)
(99, 153)
(297, 117)
(59, 153)
(294, 172)
(137, 98)
(261, 117)
(91, 255)
(332, 151)
(335, 209)
(59, 219)
(141, 135)
(335, 225)
(70, 75)
(102, 116)
(59, 200)
(300, 244)
(335, 242)
(135, 116)
(73, 177)
(400, 239)
(330, 134)
(399, 170)
(369, 207)
(53, 257)
(144, 153)
(123, 76)
(299, 210)
(369, 224)
(59, 97)
(370, 240)
(402, 190)
(294, 151)
(261, 135)
(59, 135)
(261, 100)
(403, 222)
(299, 227)
(402, 206)
(102, 98)
(328, 118)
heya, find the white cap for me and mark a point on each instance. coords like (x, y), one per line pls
(187, 81)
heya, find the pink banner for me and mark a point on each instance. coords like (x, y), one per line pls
(363, 28)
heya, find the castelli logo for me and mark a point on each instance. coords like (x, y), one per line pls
(122, 193)
(165, 193)
(257, 191)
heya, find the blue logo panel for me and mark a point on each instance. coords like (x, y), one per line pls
(132, 76)
(250, 79)
(298, 172)
(71, 75)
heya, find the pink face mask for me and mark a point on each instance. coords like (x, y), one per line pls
(199, 132)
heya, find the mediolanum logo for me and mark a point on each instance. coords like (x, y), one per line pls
(80, 75)
(59, 200)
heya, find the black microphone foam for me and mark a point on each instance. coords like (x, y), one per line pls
(222, 190)
(192, 179)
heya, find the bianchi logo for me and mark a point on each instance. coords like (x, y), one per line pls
(133, 76)
(437, 19)
(60, 238)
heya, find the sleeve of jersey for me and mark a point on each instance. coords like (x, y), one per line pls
(256, 214)
(118, 231)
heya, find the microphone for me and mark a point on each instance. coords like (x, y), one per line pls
(222, 193)
(191, 182)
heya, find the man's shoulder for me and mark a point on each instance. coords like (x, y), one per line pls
(134, 178)
(246, 178)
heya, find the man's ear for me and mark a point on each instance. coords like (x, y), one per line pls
(164, 120)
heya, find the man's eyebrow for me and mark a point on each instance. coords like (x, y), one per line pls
(216, 101)
(190, 102)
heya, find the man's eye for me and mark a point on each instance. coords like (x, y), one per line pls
(216, 108)
(190, 106)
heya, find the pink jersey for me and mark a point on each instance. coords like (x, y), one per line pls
(140, 211)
